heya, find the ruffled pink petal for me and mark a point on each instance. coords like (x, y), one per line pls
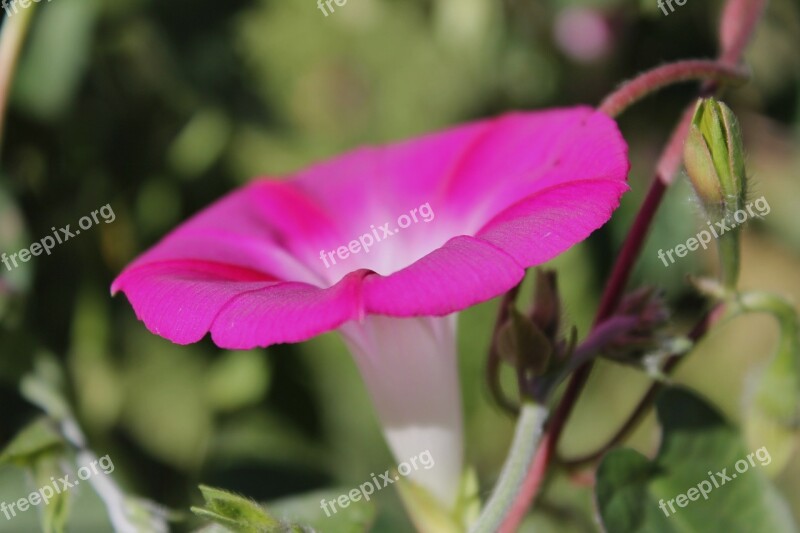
(184, 300)
(463, 272)
(179, 299)
(287, 312)
(551, 221)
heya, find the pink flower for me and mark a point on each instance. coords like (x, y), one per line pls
(253, 269)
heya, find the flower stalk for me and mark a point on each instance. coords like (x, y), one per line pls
(527, 436)
(663, 76)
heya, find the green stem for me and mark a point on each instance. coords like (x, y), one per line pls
(777, 395)
(526, 440)
(787, 360)
(12, 36)
(729, 257)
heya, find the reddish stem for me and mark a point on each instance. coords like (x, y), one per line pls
(651, 81)
(531, 485)
(630, 251)
(667, 167)
(737, 25)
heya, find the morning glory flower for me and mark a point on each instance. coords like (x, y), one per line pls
(386, 244)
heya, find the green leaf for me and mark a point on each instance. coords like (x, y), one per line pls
(36, 438)
(696, 440)
(235, 512)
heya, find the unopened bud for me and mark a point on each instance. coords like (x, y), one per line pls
(533, 343)
(714, 160)
(639, 323)
(714, 156)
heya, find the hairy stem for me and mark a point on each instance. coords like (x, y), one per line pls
(653, 80)
(523, 448)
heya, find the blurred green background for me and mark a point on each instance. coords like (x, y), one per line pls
(160, 107)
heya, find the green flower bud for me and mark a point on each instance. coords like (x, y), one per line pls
(714, 160)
